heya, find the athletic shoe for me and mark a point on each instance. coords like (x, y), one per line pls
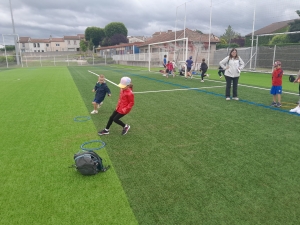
(94, 112)
(298, 111)
(278, 105)
(191, 77)
(273, 104)
(103, 132)
(207, 75)
(221, 77)
(99, 105)
(295, 109)
(235, 98)
(125, 129)
(227, 99)
(202, 80)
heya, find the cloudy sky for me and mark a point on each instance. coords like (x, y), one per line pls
(42, 18)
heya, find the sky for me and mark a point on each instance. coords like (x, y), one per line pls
(42, 18)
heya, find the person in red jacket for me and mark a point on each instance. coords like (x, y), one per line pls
(170, 69)
(276, 89)
(124, 106)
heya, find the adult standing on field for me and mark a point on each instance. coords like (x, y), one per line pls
(232, 64)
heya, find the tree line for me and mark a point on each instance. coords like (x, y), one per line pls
(112, 34)
(233, 39)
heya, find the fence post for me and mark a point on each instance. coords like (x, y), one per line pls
(68, 59)
(54, 61)
(26, 60)
(41, 60)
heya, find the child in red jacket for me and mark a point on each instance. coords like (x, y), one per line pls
(124, 106)
(170, 69)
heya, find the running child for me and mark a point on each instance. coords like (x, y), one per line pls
(101, 90)
(124, 106)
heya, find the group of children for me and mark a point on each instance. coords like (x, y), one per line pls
(124, 105)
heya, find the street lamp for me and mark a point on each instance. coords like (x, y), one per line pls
(252, 36)
(183, 25)
(209, 32)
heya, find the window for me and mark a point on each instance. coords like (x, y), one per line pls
(23, 45)
(42, 50)
(34, 45)
(74, 42)
(38, 50)
(47, 45)
(38, 45)
(69, 42)
(57, 44)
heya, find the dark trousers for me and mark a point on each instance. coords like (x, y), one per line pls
(234, 81)
(115, 117)
(203, 74)
(221, 72)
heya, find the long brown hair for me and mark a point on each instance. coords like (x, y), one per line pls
(230, 56)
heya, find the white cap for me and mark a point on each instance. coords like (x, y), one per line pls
(125, 81)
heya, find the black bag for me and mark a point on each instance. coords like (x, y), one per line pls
(292, 78)
(89, 163)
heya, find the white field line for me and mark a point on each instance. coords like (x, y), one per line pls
(105, 78)
(260, 88)
(217, 81)
(185, 89)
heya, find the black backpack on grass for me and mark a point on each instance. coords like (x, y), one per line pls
(89, 163)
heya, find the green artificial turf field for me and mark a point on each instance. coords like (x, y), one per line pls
(190, 157)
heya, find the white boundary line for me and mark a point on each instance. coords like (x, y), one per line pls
(185, 89)
(105, 78)
(217, 81)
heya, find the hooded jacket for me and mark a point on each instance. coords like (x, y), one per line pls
(126, 101)
(235, 66)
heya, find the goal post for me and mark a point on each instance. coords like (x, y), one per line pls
(176, 50)
(16, 41)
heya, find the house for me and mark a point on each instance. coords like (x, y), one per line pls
(272, 28)
(121, 49)
(1, 46)
(66, 43)
(197, 44)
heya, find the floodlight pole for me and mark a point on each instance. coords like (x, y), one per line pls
(209, 33)
(252, 35)
(14, 32)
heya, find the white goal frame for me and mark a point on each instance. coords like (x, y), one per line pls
(17, 50)
(172, 41)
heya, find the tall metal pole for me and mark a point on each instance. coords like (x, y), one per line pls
(252, 36)
(14, 32)
(209, 33)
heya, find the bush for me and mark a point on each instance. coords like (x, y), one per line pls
(9, 59)
(99, 60)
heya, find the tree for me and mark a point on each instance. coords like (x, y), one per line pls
(115, 28)
(279, 39)
(295, 26)
(94, 34)
(230, 34)
(117, 39)
(90, 45)
(83, 46)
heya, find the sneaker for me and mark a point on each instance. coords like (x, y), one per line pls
(207, 75)
(191, 77)
(221, 77)
(202, 80)
(273, 104)
(103, 132)
(94, 112)
(278, 105)
(235, 98)
(99, 105)
(295, 109)
(227, 99)
(298, 111)
(125, 129)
